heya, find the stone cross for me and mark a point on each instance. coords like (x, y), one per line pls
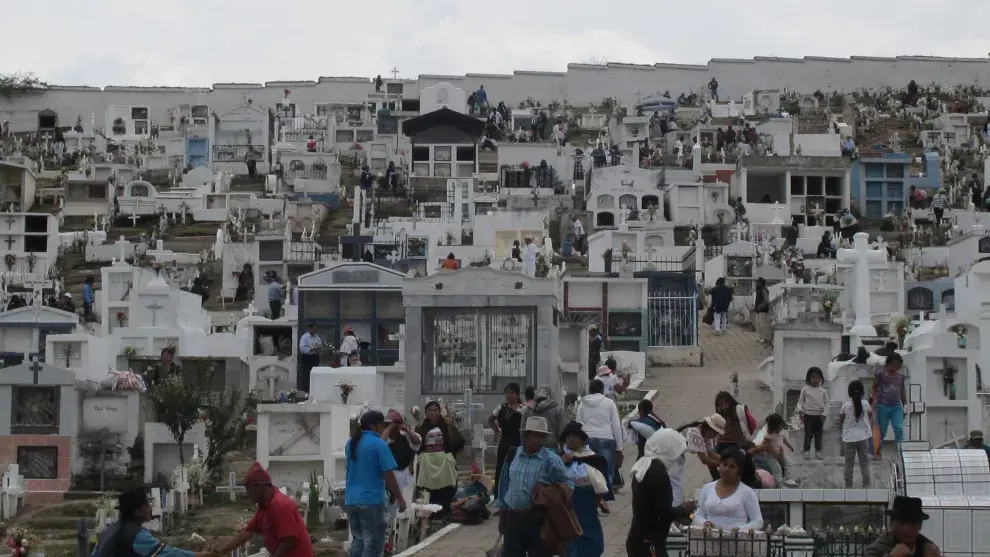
(861, 256)
(624, 214)
(231, 488)
(393, 257)
(35, 368)
(251, 311)
(121, 251)
(133, 217)
(269, 376)
(776, 213)
(154, 306)
(401, 338)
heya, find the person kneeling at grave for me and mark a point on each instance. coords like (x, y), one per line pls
(129, 531)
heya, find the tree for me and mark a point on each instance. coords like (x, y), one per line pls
(225, 429)
(17, 84)
(179, 406)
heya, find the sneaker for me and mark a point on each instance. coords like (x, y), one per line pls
(806, 455)
(790, 483)
(819, 456)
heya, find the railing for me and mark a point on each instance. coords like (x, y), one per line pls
(711, 252)
(805, 303)
(238, 153)
(637, 265)
(517, 176)
(671, 320)
(300, 171)
(697, 542)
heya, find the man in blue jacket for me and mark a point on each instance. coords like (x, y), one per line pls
(128, 536)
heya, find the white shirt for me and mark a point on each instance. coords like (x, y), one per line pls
(530, 252)
(349, 344)
(739, 510)
(854, 430)
(609, 380)
(309, 342)
(600, 418)
(577, 229)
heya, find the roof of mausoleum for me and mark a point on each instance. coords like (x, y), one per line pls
(444, 117)
(794, 162)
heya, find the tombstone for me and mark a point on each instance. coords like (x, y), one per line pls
(920, 298)
(231, 488)
(13, 492)
(861, 257)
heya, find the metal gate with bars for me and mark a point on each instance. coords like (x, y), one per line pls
(671, 319)
(478, 349)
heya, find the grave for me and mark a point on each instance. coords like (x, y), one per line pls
(481, 329)
(363, 296)
(12, 492)
(374, 386)
(37, 433)
(295, 440)
(114, 417)
(25, 330)
(874, 287)
(161, 453)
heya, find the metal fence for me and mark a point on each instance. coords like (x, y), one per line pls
(518, 176)
(482, 350)
(671, 320)
(705, 543)
(238, 153)
(299, 169)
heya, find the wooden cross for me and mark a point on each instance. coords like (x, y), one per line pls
(35, 368)
(395, 72)
(306, 430)
(10, 242)
(154, 307)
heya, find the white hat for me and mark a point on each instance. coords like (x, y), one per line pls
(536, 424)
(716, 422)
(68, 294)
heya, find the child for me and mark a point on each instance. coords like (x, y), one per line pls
(890, 396)
(857, 434)
(812, 406)
(774, 441)
(645, 425)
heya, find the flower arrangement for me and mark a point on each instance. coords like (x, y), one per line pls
(107, 500)
(900, 326)
(121, 319)
(128, 381)
(32, 261)
(624, 251)
(20, 540)
(156, 266)
(959, 329)
(345, 390)
(829, 299)
(129, 351)
(416, 413)
(10, 260)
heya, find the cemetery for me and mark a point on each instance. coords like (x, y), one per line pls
(192, 285)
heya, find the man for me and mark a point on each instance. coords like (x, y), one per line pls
(976, 442)
(534, 464)
(713, 87)
(904, 538)
(367, 180)
(309, 356)
(128, 533)
(67, 304)
(594, 351)
(378, 83)
(529, 258)
(370, 469)
(577, 230)
(403, 443)
(721, 300)
(938, 206)
(761, 310)
(277, 519)
(275, 295)
(88, 297)
(547, 409)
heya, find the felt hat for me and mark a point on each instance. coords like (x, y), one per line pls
(536, 424)
(716, 422)
(907, 510)
(976, 435)
(257, 475)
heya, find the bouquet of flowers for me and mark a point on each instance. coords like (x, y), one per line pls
(121, 318)
(345, 391)
(20, 541)
(416, 413)
(128, 381)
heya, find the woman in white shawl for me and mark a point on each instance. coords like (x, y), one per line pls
(657, 494)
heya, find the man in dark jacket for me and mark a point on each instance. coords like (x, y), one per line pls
(547, 408)
(761, 310)
(128, 536)
(721, 300)
(904, 538)
(594, 351)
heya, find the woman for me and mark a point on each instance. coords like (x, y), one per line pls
(600, 417)
(245, 284)
(729, 503)
(700, 437)
(657, 494)
(506, 422)
(403, 444)
(736, 430)
(587, 471)
(438, 456)
(165, 367)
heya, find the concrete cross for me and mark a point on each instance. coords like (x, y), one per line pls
(861, 256)
(133, 217)
(35, 368)
(395, 72)
(154, 306)
(251, 311)
(776, 213)
(121, 248)
(401, 338)
(393, 257)
(231, 488)
(270, 376)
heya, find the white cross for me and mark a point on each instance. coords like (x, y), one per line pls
(860, 257)
(393, 257)
(739, 231)
(232, 488)
(251, 311)
(776, 213)
(270, 376)
(121, 245)
(133, 217)
(154, 307)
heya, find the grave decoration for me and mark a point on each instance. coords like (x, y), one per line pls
(12, 492)
(345, 390)
(21, 541)
(127, 381)
(900, 326)
(960, 331)
(829, 299)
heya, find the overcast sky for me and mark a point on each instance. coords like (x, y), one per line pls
(200, 42)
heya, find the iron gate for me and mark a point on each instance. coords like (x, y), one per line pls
(672, 320)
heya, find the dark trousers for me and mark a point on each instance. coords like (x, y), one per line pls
(593, 363)
(938, 216)
(813, 427)
(276, 308)
(521, 535)
(306, 364)
(88, 312)
(504, 447)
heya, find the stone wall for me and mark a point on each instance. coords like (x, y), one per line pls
(581, 84)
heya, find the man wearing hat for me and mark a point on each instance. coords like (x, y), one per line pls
(129, 531)
(594, 351)
(904, 538)
(277, 519)
(533, 464)
(976, 441)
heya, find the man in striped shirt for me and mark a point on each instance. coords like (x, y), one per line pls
(938, 206)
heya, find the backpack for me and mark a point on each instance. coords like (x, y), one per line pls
(750, 420)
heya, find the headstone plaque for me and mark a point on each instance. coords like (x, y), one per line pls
(355, 277)
(920, 298)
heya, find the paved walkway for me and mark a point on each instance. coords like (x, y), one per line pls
(683, 395)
